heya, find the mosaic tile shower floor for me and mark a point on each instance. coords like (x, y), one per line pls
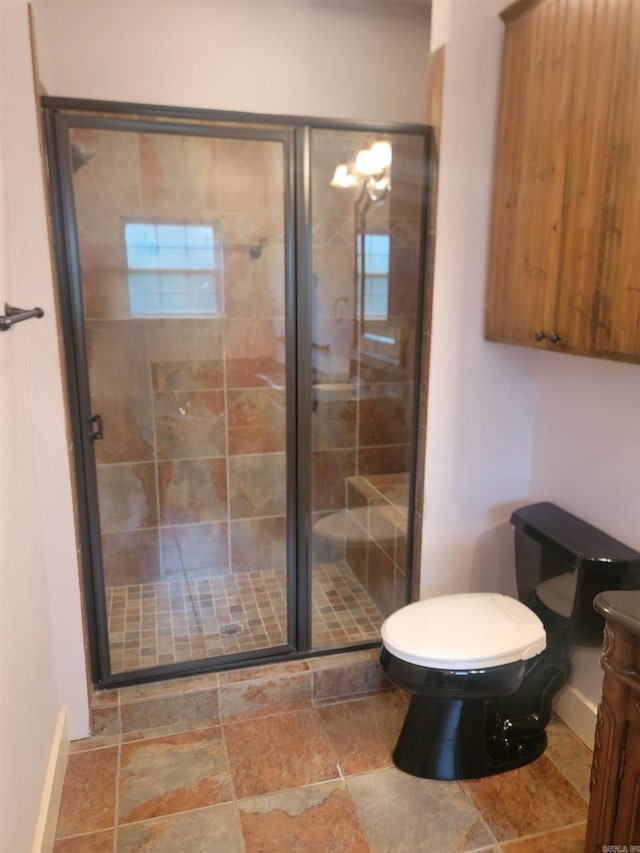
(179, 620)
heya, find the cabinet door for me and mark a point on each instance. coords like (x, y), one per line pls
(599, 282)
(529, 176)
(610, 736)
(626, 829)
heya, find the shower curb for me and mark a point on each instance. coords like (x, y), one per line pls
(207, 700)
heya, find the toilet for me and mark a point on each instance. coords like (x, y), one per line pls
(482, 668)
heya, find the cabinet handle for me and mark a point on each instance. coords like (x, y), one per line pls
(553, 338)
(539, 335)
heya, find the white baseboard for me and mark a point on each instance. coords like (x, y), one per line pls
(45, 831)
(577, 712)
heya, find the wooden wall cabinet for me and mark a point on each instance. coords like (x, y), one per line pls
(564, 270)
(614, 804)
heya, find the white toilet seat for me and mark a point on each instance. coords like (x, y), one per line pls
(466, 631)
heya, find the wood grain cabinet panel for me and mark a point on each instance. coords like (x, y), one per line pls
(627, 823)
(564, 266)
(533, 128)
(614, 803)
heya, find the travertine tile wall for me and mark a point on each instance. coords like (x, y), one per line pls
(376, 549)
(191, 472)
(334, 418)
(364, 428)
(192, 469)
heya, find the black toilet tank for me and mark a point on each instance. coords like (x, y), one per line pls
(562, 563)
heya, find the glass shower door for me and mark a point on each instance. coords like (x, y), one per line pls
(182, 275)
(367, 209)
(241, 304)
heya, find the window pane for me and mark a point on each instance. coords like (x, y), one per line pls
(377, 247)
(144, 293)
(376, 296)
(171, 235)
(189, 250)
(199, 236)
(202, 292)
(200, 258)
(172, 258)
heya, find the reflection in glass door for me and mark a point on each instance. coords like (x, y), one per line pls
(367, 221)
(182, 267)
(241, 326)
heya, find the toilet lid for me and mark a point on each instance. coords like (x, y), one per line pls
(468, 631)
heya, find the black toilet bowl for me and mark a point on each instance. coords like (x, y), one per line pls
(466, 724)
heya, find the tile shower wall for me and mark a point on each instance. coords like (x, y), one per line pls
(191, 474)
(376, 547)
(334, 418)
(363, 397)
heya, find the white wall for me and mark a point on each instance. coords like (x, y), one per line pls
(481, 414)
(359, 60)
(494, 433)
(41, 647)
(506, 425)
(356, 59)
(587, 441)
(440, 33)
(587, 458)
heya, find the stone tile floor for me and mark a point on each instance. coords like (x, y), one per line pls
(317, 779)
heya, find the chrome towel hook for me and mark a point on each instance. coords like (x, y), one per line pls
(17, 315)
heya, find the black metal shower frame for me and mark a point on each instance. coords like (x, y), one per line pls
(59, 115)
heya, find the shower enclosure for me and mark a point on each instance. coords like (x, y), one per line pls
(242, 334)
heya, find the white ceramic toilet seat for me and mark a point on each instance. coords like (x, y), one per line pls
(467, 631)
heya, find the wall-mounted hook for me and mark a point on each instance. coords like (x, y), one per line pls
(17, 315)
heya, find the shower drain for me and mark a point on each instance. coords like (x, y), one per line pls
(231, 628)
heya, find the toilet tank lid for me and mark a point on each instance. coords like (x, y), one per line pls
(467, 631)
(580, 543)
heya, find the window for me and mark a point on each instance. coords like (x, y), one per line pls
(172, 268)
(373, 264)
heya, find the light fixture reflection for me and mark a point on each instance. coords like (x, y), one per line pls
(371, 164)
(365, 162)
(381, 154)
(343, 178)
(373, 161)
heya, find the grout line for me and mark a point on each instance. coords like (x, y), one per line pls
(95, 748)
(288, 790)
(86, 835)
(154, 733)
(223, 738)
(116, 806)
(233, 802)
(162, 817)
(154, 460)
(543, 833)
(241, 719)
(225, 391)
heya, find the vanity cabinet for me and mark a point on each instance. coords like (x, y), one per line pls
(564, 270)
(614, 804)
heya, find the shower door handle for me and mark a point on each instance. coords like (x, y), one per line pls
(97, 434)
